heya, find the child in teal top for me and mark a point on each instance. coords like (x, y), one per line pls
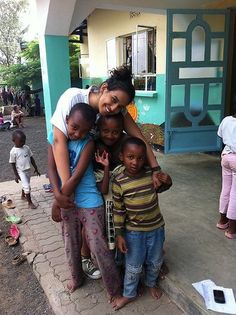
(89, 209)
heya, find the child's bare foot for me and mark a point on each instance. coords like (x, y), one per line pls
(156, 293)
(140, 289)
(32, 206)
(120, 302)
(73, 285)
(164, 271)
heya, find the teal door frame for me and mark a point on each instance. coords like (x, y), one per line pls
(195, 103)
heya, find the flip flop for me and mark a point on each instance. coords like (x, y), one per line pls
(14, 231)
(13, 219)
(19, 259)
(47, 188)
(11, 241)
(222, 226)
(230, 236)
(8, 204)
(3, 198)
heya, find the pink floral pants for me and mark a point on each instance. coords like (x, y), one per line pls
(228, 193)
(93, 223)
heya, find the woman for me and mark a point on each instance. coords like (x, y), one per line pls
(111, 98)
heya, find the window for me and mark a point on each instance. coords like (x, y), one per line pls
(139, 53)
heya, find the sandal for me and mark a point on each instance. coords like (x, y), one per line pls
(19, 259)
(3, 198)
(222, 226)
(47, 188)
(8, 204)
(11, 241)
(230, 236)
(14, 231)
(13, 219)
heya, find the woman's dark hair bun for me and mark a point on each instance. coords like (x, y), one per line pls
(122, 73)
(121, 79)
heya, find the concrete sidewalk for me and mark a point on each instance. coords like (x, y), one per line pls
(42, 236)
(195, 248)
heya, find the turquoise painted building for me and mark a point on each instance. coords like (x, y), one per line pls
(178, 52)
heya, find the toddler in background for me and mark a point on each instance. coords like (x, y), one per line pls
(21, 157)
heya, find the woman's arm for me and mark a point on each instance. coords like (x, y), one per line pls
(61, 155)
(84, 160)
(133, 130)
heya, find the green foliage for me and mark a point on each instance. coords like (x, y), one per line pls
(74, 51)
(19, 75)
(31, 52)
(29, 71)
(10, 29)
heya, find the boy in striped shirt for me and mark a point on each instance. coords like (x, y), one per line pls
(139, 224)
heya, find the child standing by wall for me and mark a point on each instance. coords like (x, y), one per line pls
(227, 206)
(20, 158)
(139, 225)
(89, 209)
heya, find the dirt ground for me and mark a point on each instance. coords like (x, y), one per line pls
(20, 292)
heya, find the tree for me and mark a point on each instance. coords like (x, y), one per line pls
(74, 51)
(21, 74)
(10, 29)
(29, 71)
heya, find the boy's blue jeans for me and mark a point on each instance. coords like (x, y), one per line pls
(145, 249)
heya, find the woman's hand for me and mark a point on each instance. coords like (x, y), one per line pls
(165, 178)
(156, 178)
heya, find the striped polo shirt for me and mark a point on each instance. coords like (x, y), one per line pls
(136, 205)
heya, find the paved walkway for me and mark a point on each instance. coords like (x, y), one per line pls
(42, 236)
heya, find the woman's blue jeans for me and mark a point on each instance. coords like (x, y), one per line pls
(145, 249)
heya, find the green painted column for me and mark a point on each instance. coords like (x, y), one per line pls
(54, 56)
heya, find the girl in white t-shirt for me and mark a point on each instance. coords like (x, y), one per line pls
(227, 206)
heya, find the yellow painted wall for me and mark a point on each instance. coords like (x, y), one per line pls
(107, 24)
(221, 4)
